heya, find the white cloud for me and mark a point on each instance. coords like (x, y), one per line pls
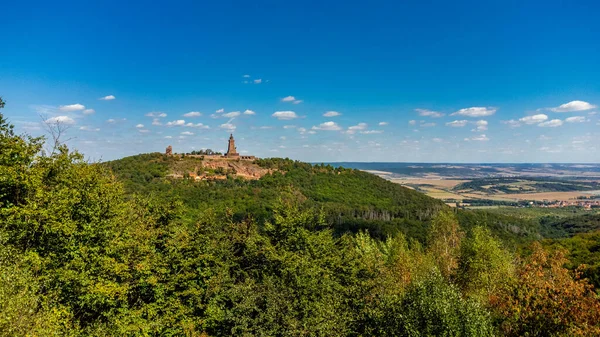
(156, 114)
(551, 124)
(110, 121)
(437, 140)
(475, 112)
(368, 132)
(383, 123)
(156, 121)
(258, 81)
(289, 126)
(359, 127)
(265, 127)
(220, 111)
(576, 119)
(429, 113)
(427, 125)
(187, 133)
(139, 126)
(197, 125)
(480, 138)
(331, 114)
(482, 125)
(228, 126)
(284, 115)
(168, 137)
(89, 111)
(288, 99)
(89, 128)
(246, 76)
(457, 123)
(143, 130)
(327, 126)
(298, 101)
(535, 119)
(249, 112)
(72, 107)
(66, 120)
(179, 122)
(573, 106)
(193, 114)
(512, 123)
(412, 122)
(108, 98)
(231, 114)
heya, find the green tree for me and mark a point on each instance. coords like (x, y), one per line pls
(484, 266)
(444, 242)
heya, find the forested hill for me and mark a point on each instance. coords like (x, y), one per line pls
(351, 199)
(90, 251)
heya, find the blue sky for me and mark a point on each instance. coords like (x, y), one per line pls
(500, 81)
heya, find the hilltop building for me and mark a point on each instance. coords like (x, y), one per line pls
(231, 152)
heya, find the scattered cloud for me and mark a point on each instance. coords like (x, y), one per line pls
(427, 125)
(551, 124)
(534, 119)
(289, 126)
(197, 125)
(412, 122)
(475, 112)
(143, 130)
(284, 115)
(228, 126)
(576, 119)
(573, 106)
(220, 111)
(457, 123)
(156, 114)
(66, 120)
(429, 113)
(249, 112)
(179, 122)
(193, 114)
(258, 81)
(383, 123)
(331, 114)
(298, 101)
(369, 132)
(89, 111)
(512, 123)
(72, 107)
(156, 121)
(437, 140)
(481, 125)
(168, 137)
(89, 128)
(107, 98)
(288, 99)
(360, 127)
(327, 126)
(479, 138)
(187, 133)
(232, 114)
(139, 126)
(246, 76)
(111, 121)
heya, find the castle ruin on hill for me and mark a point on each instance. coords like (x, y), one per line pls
(231, 152)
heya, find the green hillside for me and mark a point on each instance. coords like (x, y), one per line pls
(121, 249)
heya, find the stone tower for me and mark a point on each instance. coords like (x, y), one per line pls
(231, 150)
(169, 151)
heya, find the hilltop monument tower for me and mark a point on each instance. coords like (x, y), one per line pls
(169, 151)
(231, 150)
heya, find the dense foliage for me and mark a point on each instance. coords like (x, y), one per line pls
(82, 255)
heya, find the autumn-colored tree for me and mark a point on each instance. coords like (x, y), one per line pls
(548, 299)
(444, 241)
